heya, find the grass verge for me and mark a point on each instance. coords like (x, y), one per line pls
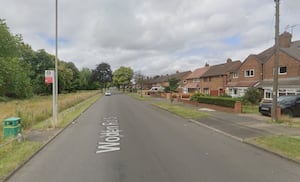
(185, 112)
(138, 96)
(284, 145)
(14, 154)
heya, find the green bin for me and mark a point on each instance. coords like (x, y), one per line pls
(11, 127)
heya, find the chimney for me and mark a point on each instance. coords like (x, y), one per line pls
(285, 40)
(229, 60)
(206, 65)
(177, 72)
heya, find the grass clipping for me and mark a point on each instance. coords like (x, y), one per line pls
(284, 145)
(185, 112)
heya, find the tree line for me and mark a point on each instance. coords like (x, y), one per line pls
(22, 70)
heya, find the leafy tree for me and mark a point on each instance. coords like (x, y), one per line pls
(122, 77)
(40, 62)
(173, 85)
(102, 74)
(8, 42)
(14, 79)
(252, 95)
(85, 80)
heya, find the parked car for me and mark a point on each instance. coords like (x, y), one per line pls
(290, 105)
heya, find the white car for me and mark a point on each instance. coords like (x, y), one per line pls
(107, 93)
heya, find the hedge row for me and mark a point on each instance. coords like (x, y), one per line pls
(220, 101)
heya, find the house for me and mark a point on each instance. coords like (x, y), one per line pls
(247, 75)
(257, 71)
(215, 79)
(193, 80)
(163, 81)
(288, 69)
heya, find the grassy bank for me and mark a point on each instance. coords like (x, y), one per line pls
(185, 112)
(39, 108)
(284, 145)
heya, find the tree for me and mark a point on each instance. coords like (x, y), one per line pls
(14, 78)
(122, 77)
(173, 85)
(102, 74)
(8, 42)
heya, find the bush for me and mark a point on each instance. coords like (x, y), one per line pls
(252, 96)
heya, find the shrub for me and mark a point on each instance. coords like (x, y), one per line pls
(252, 96)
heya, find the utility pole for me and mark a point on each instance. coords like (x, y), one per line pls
(276, 63)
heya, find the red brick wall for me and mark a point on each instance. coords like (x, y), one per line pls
(250, 63)
(293, 67)
(215, 84)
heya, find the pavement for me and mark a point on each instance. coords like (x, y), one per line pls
(239, 125)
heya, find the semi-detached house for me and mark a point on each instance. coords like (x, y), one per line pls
(257, 71)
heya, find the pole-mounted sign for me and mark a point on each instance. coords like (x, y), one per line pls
(49, 76)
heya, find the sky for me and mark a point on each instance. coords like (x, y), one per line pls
(153, 37)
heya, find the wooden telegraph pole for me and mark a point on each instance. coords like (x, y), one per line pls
(276, 63)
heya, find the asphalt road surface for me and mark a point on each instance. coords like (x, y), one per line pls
(120, 139)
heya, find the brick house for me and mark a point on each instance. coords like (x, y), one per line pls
(288, 70)
(257, 71)
(215, 79)
(247, 75)
(193, 80)
(163, 81)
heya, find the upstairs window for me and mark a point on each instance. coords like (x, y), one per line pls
(207, 79)
(249, 73)
(282, 70)
(235, 75)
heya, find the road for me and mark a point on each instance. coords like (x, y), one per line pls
(120, 139)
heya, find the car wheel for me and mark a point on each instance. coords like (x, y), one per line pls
(288, 112)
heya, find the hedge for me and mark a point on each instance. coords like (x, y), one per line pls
(220, 101)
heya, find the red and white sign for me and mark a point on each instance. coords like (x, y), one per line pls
(49, 76)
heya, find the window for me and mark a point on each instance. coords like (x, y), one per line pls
(196, 80)
(235, 75)
(249, 73)
(282, 70)
(206, 91)
(207, 79)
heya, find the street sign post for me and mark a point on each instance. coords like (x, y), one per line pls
(50, 79)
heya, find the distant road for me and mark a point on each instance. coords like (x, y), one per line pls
(120, 139)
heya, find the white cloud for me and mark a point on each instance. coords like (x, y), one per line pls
(153, 36)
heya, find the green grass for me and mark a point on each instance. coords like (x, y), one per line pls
(185, 112)
(138, 96)
(250, 109)
(283, 145)
(14, 154)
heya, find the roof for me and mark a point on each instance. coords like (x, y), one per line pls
(293, 50)
(198, 72)
(165, 78)
(222, 69)
(242, 84)
(282, 83)
(264, 56)
(192, 85)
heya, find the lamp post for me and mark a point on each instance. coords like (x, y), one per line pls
(55, 96)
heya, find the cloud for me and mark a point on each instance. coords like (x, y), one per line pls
(154, 37)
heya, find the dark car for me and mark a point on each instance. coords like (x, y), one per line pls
(290, 105)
